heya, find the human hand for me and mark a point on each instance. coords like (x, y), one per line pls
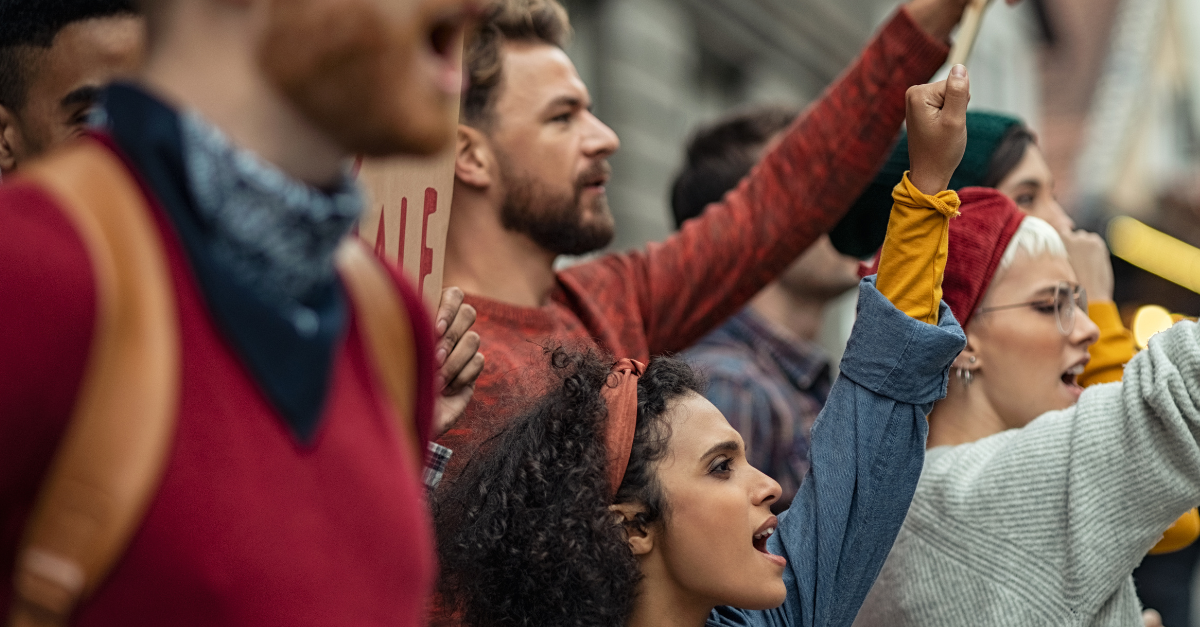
(458, 358)
(1091, 262)
(939, 17)
(937, 130)
(1150, 618)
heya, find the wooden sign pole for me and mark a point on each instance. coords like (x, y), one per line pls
(968, 30)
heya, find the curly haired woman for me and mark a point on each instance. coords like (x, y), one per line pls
(624, 497)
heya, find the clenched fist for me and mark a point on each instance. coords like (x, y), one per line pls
(937, 130)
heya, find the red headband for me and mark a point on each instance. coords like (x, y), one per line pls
(621, 397)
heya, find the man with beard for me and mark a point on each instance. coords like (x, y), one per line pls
(529, 186)
(54, 58)
(185, 271)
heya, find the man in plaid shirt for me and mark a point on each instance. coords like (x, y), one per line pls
(766, 371)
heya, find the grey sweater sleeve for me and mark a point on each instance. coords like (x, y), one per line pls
(1072, 502)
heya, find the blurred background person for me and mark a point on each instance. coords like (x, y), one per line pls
(766, 370)
(54, 59)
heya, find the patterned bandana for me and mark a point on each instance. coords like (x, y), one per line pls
(275, 233)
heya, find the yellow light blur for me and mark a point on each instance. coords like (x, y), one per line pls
(1155, 252)
(1148, 321)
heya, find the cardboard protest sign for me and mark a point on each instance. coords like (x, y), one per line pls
(408, 214)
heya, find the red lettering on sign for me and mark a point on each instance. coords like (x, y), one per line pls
(426, 252)
(381, 236)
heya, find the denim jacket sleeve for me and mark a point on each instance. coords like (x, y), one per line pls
(868, 447)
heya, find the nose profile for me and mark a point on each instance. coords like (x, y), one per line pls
(601, 140)
(766, 489)
(1085, 332)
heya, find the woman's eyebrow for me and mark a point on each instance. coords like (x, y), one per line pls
(728, 446)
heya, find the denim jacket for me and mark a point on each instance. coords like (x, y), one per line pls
(868, 447)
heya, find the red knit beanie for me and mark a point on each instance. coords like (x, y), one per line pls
(978, 239)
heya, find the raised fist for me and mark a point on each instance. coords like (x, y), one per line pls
(937, 129)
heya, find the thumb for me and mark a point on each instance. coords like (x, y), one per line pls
(958, 92)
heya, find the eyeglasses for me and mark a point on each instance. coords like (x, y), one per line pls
(1065, 300)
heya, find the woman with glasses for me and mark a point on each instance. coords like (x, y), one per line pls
(1038, 499)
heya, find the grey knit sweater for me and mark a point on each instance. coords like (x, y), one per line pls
(1044, 525)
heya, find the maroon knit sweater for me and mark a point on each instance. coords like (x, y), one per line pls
(664, 298)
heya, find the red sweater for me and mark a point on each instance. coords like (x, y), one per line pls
(664, 298)
(250, 527)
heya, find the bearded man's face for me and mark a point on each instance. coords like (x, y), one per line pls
(551, 152)
(378, 76)
(563, 220)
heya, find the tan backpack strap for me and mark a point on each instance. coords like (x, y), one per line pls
(113, 453)
(388, 333)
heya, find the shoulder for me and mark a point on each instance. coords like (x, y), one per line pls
(47, 314)
(44, 264)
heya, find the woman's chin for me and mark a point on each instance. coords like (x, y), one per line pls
(770, 596)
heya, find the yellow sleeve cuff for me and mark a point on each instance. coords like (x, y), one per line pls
(1112, 351)
(913, 259)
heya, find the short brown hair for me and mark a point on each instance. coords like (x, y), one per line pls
(720, 154)
(533, 21)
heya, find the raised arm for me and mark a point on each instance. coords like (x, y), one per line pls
(869, 442)
(689, 284)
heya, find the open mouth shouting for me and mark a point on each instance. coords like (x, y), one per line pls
(765, 531)
(1070, 378)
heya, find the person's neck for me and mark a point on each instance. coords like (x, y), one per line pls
(965, 415)
(206, 60)
(798, 314)
(667, 606)
(485, 259)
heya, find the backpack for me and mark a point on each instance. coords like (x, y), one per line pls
(114, 451)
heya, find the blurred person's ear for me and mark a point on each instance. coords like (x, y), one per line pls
(10, 139)
(473, 158)
(969, 358)
(641, 537)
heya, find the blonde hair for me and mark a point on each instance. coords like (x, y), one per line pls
(1034, 237)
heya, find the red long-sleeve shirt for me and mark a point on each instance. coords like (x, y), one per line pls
(664, 298)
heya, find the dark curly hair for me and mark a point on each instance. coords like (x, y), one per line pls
(525, 535)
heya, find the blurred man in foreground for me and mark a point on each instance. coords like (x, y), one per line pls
(213, 403)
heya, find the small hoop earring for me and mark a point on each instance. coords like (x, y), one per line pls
(966, 377)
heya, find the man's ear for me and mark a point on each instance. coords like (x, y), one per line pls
(641, 537)
(10, 140)
(473, 158)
